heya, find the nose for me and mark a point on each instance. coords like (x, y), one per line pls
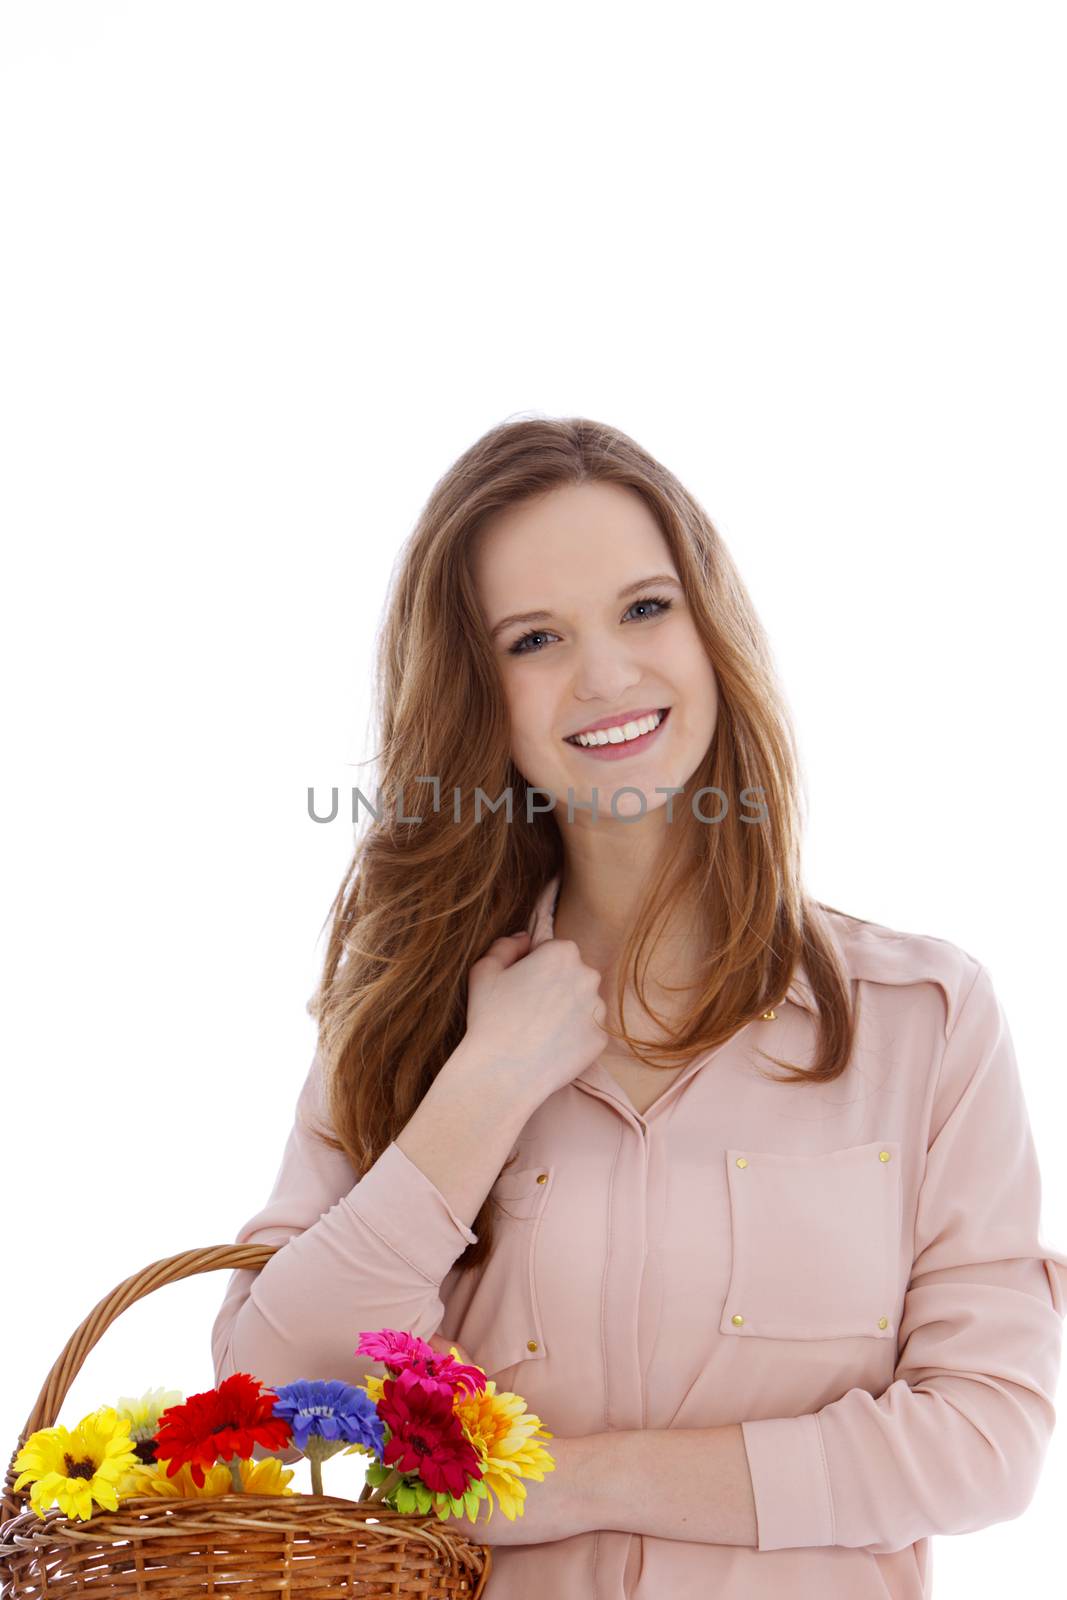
(605, 673)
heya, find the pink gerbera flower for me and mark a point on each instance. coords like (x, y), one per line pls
(405, 1352)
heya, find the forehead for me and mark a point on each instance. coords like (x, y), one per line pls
(589, 535)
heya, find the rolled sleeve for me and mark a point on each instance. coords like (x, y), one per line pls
(376, 1251)
(393, 1192)
(790, 1482)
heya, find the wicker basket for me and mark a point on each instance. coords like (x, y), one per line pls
(248, 1544)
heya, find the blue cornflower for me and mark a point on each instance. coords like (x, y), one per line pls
(327, 1416)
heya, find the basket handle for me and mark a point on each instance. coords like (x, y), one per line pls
(71, 1358)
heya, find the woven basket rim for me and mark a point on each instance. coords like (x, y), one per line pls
(30, 1536)
(232, 1510)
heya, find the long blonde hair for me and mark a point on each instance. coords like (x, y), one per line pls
(420, 902)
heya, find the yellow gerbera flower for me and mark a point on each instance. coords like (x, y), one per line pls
(72, 1468)
(505, 1435)
(268, 1476)
(142, 1417)
(143, 1414)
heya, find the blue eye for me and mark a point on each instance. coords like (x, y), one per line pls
(517, 649)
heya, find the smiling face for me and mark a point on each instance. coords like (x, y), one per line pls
(612, 644)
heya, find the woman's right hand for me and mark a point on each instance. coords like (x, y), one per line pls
(535, 1015)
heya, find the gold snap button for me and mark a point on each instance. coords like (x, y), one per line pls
(883, 1155)
(883, 1322)
(741, 1162)
(768, 1016)
(531, 1344)
(542, 1177)
(737, 1321)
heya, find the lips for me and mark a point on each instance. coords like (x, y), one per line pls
(619, 720)
(622, 749)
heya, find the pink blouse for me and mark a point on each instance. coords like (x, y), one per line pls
(853, 1271)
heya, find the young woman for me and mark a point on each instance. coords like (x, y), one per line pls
(783, 1326)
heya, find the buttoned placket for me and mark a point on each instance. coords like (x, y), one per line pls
(640, 1148)
(630, 1311)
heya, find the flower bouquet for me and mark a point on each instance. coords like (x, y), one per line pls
(157, 1490)
(438, 1435)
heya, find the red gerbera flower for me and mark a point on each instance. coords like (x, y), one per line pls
(427, 1436)
(228, 1421)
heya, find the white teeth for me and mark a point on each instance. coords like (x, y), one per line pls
(621, 734)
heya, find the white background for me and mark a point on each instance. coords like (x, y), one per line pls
(267, 269)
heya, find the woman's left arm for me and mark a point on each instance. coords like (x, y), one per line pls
(957, 1440)
(671, 1483)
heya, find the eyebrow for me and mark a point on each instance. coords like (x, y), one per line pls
(546, 616)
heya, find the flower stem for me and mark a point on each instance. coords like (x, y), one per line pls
(387, 1485)
(235, 1474)
(316, 1475)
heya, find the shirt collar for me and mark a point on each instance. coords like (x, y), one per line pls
(800, 992)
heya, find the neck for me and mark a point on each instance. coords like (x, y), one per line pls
(598, 908)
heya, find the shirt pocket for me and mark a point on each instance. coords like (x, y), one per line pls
(502, 1325)
(816, 1243)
